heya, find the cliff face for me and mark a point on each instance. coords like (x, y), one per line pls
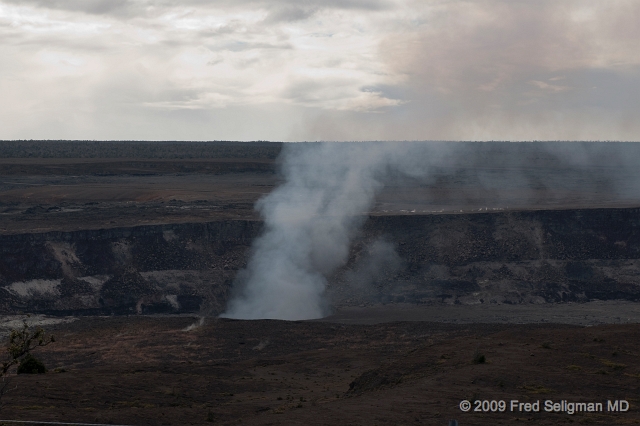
(507, 257)
(145, 269)
(516, 257)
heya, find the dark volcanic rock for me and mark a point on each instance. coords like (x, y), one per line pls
(70, 287)
(506, 257)
(125, 290)
(509, 257)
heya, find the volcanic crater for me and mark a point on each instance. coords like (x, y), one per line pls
(127, 252)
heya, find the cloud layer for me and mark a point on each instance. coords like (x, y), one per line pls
(319, 70)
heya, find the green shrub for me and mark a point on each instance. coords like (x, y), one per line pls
(31, 365)
(21, 343)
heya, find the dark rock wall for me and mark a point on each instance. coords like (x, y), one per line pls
(515, 257)
(508, 257)
(163, 268)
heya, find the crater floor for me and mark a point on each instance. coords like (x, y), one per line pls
(159, 370)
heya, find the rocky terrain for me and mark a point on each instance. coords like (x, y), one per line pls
(173, 370)
(138, 228)
(502, 257)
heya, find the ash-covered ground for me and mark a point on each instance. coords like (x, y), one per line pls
(176, 370)
(526, 253)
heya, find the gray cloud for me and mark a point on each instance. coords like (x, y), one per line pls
(121, 8)
(291, 14)
(279, 10)
(356, 70)
(291, 10)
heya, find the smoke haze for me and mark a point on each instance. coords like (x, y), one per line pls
(378, 258)
(330, 188)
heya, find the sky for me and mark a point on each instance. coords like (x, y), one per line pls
(287, 70)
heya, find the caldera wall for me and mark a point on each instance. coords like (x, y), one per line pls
(511, 257)
(505, 257)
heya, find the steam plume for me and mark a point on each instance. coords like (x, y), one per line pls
(309, 222)
(329, 188)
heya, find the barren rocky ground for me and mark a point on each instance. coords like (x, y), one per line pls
(158, 370)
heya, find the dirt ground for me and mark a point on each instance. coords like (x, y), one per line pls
(179, 370)
(597, 312)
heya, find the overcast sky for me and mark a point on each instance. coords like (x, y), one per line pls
(320, 69)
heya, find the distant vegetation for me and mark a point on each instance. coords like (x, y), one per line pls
(21, 342)
(18, 352)
(138, 149)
